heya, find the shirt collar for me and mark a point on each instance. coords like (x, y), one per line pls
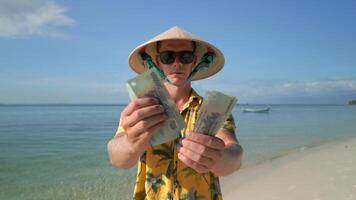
(194, 99)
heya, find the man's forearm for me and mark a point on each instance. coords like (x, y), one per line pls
(120, 152)
(230, 162)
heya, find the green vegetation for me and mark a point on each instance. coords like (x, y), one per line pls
(352, 102)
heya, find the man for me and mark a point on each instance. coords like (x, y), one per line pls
(187, 168)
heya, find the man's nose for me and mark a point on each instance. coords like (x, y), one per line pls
(176, 62)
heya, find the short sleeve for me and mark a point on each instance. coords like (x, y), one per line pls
(120, 129)
(229, 124)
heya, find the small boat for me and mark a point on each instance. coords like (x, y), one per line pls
(258, 110)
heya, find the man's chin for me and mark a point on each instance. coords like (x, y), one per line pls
(177, 81)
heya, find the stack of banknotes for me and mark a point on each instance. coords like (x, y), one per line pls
(213, 112)
(149, 84)
(215, 109)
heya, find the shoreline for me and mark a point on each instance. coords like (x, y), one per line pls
(307, 147)
(326, 170)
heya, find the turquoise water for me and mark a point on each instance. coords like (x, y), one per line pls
(292, 127)
(59, 152)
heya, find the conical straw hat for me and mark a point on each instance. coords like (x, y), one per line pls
(177, 33)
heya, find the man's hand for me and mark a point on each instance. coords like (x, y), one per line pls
(140, 119)
(201, 152)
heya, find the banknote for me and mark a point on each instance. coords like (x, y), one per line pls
(213, 112)
(149, 84)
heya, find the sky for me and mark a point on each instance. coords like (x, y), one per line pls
(276, 52)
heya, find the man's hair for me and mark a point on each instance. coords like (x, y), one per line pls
(158, 45)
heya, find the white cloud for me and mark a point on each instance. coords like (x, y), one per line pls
(319, 87)
(250, 91)
(72, 89)
(59, 89)
(36, 17)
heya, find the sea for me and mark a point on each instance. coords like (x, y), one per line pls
(60, 151)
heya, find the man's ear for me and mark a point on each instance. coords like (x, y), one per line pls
(195, 60)
(157, 61)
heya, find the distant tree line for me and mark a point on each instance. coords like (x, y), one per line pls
(352, 102)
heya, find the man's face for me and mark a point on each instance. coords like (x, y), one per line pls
(177, 72)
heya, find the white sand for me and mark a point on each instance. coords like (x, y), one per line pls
(326, 172)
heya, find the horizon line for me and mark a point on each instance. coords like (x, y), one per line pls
(122, 104)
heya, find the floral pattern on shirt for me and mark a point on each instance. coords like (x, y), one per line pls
(161, 175)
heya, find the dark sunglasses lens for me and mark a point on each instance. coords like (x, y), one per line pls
(186, 57)
(166, 57)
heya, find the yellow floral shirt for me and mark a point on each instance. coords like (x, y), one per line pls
(161, 175)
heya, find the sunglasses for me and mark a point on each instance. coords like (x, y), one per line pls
(168, 57)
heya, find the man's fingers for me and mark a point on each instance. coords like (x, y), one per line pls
(192, 164)
(143, 113)
(152, 130)
(210, 141)
(147, 123)
(196, 157)
(142, 139)
(201, 149)
(139, 103)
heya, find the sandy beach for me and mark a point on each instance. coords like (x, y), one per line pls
(325, 172)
